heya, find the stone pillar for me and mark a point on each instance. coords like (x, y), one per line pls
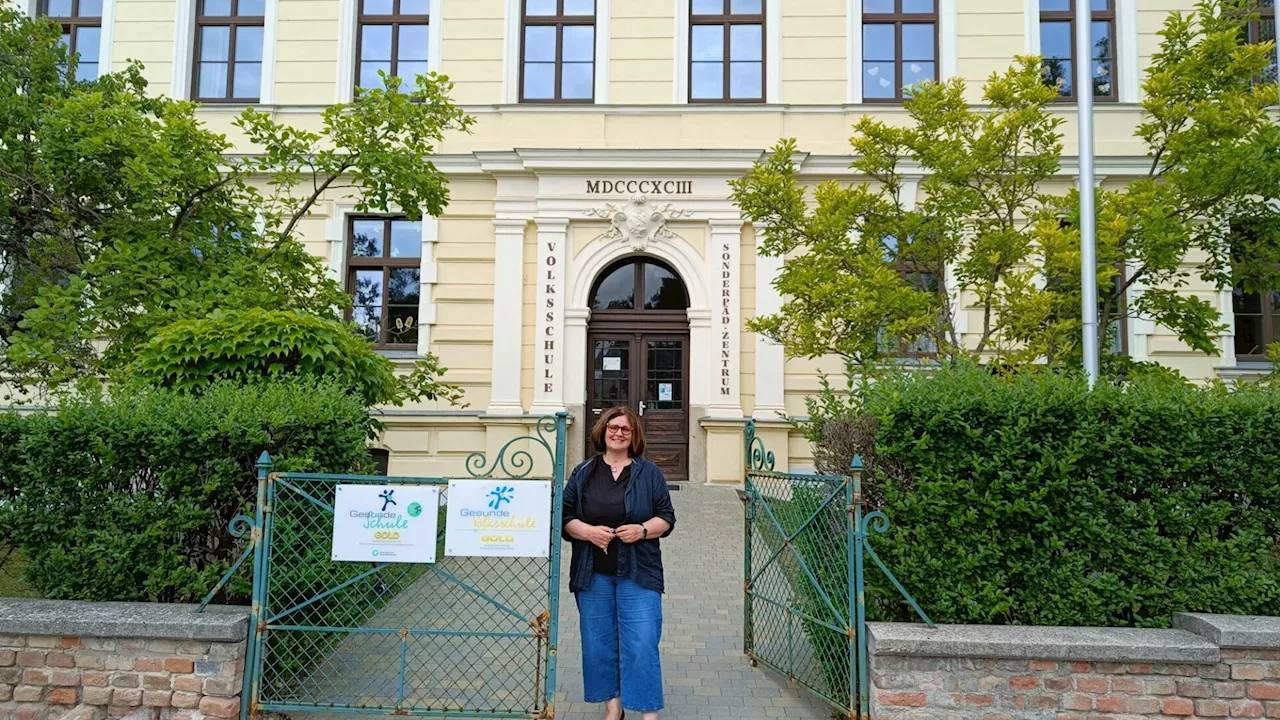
(549, 351)
(508, 312)
(724, 258)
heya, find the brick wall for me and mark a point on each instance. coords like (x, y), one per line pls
(1247, 686)
(92, 676)
(1151, 673)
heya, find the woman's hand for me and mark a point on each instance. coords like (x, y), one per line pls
(631, 533)
(600, 536)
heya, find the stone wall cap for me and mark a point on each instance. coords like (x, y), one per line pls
(219, 623)
(1041, 643)
(1232, 631)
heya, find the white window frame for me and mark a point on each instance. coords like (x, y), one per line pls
(772, 54)
(1126, 52)
(349, 25)
(184, 43)
(511, 58)
(336, 234)
(948, 53)
(105, 38)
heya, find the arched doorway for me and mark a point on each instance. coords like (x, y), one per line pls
(638, 355)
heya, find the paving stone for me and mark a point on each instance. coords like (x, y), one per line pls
(702, 625)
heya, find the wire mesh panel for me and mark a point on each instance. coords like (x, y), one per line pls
(797, 567)
(805, 546)
(463, 636)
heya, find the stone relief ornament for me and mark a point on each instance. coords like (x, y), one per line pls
(637, 221)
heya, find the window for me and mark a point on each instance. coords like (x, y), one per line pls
(1118, 325)
(384, 277)
(658, 284)
(1264, 29)
(921, 280)
(559, 51)
(228, 65)
(1058, 42)
(81, 22)
(394, 38)
(726, 51)
(381, 460)
(1257, 314)
(899, 47)
(1257, 323)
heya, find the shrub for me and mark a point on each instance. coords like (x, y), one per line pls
(129, 497)
(1029, 500)
(249, 345)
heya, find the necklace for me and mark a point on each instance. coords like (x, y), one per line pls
(617, 469)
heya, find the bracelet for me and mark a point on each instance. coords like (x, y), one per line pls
(645, 531)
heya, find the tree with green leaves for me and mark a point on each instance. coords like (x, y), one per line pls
(871, 273)
(128, 230)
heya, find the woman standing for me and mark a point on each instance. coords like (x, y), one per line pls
(616, 506)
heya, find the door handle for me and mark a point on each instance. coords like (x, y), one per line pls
(641, 408)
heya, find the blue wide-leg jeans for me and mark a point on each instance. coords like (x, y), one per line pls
(621, 624)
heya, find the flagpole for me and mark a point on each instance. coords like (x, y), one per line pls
(1088, 213)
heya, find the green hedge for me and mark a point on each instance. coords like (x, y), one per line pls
(129, 498)
(1029, 500)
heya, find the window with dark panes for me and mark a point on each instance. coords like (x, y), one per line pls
(1058, 43)
(1263, 30)
(381, 460)
(81, 22)
(1257, 314)
(658, 285)
(559, 51)
(228, 65)
(1257, 323)
(899, 47)
(922, 281)
(1118, 326)
(394, 38)
(384, 277)
(726, 51)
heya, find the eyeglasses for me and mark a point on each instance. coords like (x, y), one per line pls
(618, 429)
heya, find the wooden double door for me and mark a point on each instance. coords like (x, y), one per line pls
(647, 371)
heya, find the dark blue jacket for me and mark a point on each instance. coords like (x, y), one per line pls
(647, 497)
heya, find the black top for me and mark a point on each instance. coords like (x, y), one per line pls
(604, 502)
(646, 497)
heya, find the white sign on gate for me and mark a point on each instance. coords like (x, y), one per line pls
(386, 523)
(498, 518)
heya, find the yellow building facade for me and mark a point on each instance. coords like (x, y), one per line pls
(590, 255)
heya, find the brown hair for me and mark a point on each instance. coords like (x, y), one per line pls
(637, 430)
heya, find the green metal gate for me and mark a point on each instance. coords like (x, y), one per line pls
(462, 637)
(804, 608)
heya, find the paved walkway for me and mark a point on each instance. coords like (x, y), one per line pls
(706, 674)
